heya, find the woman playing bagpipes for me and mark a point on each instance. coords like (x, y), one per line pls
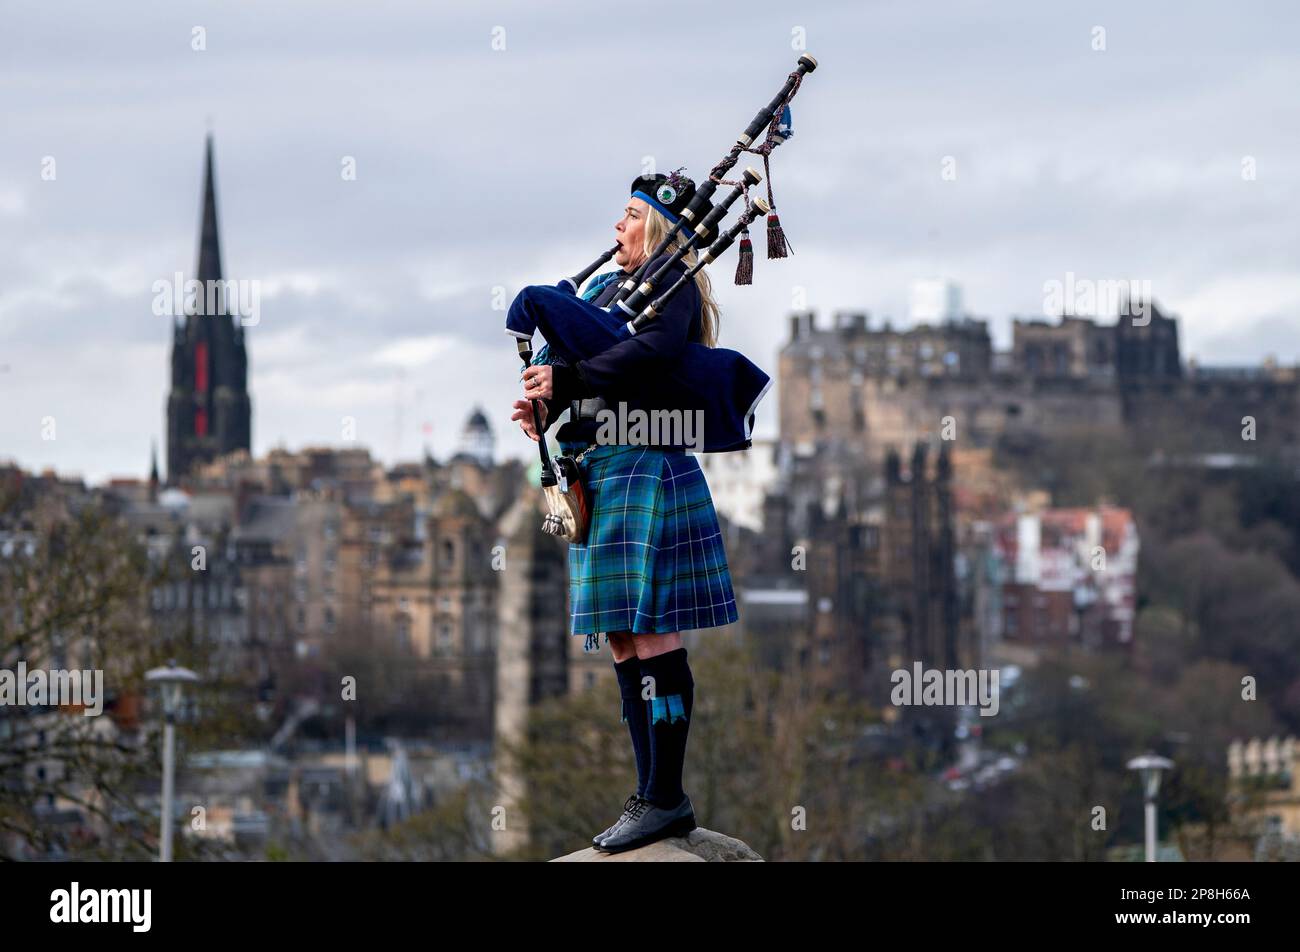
(646, 557)
(653, 562)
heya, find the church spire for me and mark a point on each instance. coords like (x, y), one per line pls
(209, 239)
(208, 408)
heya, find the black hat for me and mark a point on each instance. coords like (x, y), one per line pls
(669, 195)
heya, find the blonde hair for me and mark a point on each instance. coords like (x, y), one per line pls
(656, 226)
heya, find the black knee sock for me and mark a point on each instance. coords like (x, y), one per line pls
(634, 713)
(669, 715)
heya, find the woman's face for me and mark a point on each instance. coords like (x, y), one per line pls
(631, 235)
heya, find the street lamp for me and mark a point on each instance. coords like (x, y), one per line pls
(1149, 766)
(172, 680)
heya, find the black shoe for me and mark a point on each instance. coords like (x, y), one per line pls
(647, 823)
(627, 807)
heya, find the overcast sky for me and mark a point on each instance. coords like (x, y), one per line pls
(479, 168)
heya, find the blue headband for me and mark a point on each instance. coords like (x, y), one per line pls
(655, 203)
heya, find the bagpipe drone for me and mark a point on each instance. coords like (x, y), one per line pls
(722, 384)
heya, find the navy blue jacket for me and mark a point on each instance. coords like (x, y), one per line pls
(626, 371)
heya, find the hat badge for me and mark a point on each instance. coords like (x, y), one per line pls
(666, 194)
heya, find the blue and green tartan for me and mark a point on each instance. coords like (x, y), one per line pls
(654, 560)
(597, 284)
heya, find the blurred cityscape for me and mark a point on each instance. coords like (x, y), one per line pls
(386, 669)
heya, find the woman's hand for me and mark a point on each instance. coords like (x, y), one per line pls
(524, 414)
(539, 382)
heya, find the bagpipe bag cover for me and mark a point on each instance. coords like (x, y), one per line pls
(722, 383)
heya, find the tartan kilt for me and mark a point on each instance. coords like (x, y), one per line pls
(654, 560)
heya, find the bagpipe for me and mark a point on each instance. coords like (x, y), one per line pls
(722, 386)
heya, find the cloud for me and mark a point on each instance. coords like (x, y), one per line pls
(413, 352)
(481, 170)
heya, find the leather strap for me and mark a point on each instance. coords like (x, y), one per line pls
(587, 409)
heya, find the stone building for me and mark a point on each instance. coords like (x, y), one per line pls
(830, 377)
(879, 388)
(1075, 347)
(533, 645)
(1069, 577)
(1264, 794)
(918, 559)
(739, 481)
(853, 572)
(1146, 343)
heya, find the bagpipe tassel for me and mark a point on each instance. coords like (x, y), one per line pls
(745, 262)
(776, 244)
